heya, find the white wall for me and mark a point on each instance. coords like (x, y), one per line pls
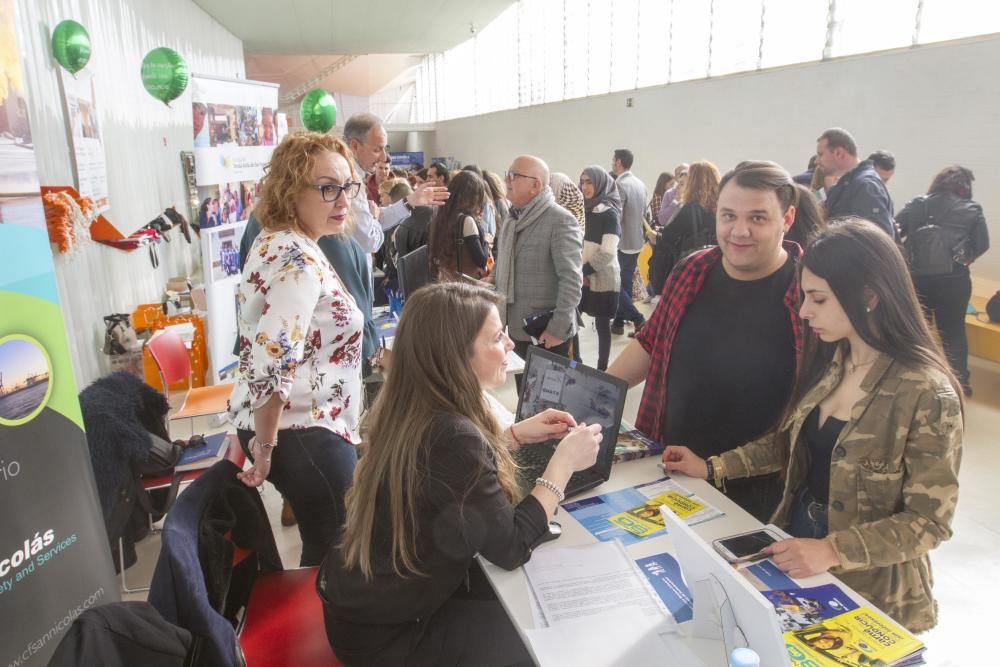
(142, 141)
(931, 106)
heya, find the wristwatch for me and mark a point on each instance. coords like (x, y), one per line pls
(711, 472)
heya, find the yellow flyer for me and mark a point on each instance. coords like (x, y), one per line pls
(646, 519)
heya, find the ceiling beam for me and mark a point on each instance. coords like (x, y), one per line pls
(295, 94)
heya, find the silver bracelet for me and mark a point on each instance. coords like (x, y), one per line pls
(544, 483)
(269, 446)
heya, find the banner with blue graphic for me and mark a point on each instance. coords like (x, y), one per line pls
(55, 560)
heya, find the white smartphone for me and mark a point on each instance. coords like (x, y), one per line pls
(746, 547)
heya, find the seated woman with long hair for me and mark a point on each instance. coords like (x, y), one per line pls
(458, 244)
(434, 487)
(871, 440)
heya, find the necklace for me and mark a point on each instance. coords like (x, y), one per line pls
(851, 366)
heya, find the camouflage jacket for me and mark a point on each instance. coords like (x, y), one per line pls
(893, 482)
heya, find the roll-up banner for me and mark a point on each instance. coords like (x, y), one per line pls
(55, 561)
(236, 127)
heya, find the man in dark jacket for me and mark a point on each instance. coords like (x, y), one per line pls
(859, 190)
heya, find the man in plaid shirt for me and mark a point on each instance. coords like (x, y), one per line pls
(720, 351)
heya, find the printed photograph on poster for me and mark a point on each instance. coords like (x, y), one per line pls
(223, 204)
(250, 191)
(222, 124)
(199, 115)
(209, 210)
(248, 127)
(268, 131)
(88, 147)
(225, 253)
(20, 202)
(24, 379)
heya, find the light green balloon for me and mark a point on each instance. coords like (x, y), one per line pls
(318, 110)
(164, 74)
(71, 46)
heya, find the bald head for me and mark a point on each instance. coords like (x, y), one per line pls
(526, 178)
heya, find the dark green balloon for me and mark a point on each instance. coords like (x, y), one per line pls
(318, 111)
(164, 74)
(71, 46)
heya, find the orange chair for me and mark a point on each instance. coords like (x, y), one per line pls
(172, 361)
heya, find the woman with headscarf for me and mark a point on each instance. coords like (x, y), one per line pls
(601, 280)
(567, 195)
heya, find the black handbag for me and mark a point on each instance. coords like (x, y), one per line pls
(536, 323)
(993, 308)
(161, 459)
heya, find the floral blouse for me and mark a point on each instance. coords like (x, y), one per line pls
(300, 336)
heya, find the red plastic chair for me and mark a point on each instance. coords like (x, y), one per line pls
(284, 622)
(172, 361)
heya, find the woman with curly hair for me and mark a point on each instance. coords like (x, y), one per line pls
(692, 227)
(298, 393)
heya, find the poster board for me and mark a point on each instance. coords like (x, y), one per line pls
(235, 127)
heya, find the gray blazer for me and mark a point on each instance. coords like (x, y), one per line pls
(548, 272)
(634, 199)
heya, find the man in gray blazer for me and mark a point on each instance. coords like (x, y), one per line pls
(539, 265)
(634, 199)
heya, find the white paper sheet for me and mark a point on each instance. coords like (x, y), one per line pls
(583, 581)
(610, 639)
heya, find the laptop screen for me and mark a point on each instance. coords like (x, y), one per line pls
(552, 381)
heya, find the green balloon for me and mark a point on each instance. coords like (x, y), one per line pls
(71, 46)
(164, 74)
(318, 110)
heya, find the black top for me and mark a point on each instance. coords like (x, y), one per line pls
(819, 443)
(690, 228)
(462, 511)
(413, 231)
(732, 363)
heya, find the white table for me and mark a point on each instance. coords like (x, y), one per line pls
(512, 586)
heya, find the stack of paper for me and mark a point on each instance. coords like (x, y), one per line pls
(592, 607)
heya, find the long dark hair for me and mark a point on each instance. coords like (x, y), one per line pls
(809, 218)
(663, 182)
(955, 179)
(468, 195)
(860, 261)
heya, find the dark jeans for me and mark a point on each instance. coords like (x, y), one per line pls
(521, 349)
(808, 518)
(626, 310)
(470, 628)
(603, 325)
(945, 298)
(312, 468)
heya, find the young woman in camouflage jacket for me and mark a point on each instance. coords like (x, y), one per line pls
(871, 441)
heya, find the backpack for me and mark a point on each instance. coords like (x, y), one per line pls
(927, 248)
(993, 308)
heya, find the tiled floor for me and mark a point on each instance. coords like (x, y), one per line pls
(966, 585)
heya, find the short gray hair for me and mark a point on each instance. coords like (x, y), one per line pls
(359, 125)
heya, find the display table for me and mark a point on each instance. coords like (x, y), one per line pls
(512, 586)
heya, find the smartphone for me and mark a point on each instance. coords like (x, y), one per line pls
(746, 547)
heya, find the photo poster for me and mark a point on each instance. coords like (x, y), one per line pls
(91, 170)
(235, 127)
(55, 560)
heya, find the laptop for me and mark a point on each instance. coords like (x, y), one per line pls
(414, 271)
(553, 381)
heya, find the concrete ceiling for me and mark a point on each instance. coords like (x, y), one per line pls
(362, 76)
(323, 27)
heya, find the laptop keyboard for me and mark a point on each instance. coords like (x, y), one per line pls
(533, 459)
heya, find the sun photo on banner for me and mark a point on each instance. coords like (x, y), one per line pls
(25, 379)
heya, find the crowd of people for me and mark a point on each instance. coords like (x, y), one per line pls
(789, 360)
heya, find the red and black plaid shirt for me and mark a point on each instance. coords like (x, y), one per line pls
(658, 334)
